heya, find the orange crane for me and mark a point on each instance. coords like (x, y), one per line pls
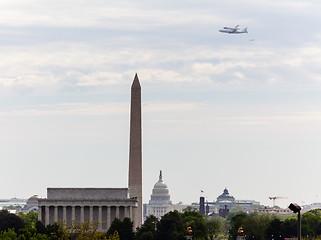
(273, 198)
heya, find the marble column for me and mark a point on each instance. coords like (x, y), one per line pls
(40, 214)
(64, 214)
(117, 212)
(126, 211)
(46, 215)
(91, 213)
(73, 213)
(56, 214)
(108, 217)
(82, 214)
(100, 217)
(130, 212)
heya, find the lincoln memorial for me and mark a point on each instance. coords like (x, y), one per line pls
(80, 204)
(102, 204)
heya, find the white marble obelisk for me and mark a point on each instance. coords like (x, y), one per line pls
(135, 151)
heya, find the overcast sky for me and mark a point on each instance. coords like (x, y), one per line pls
(219, 110)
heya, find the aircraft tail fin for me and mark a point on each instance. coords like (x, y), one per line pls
(245, 30)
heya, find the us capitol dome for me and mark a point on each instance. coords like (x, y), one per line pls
(160, 202)
(160, 194)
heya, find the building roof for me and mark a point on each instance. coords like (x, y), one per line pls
(225, 196)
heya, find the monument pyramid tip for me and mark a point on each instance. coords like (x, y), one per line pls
(136, 83)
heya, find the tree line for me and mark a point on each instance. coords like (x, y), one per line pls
(273, 227)
(172, 226)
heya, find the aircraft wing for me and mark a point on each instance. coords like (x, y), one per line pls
(233, 29)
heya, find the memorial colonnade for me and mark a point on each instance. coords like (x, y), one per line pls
(83, 211)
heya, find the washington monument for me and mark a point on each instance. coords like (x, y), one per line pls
(135, 150)
(103, 205)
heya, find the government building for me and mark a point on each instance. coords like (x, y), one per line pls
(103, 204)
(81, 204)
(160, 202)
(224, 204)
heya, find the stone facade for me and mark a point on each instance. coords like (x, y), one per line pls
(81, 204)
(87, 193)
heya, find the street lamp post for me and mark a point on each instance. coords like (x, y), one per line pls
(296, 209)
(189, 233)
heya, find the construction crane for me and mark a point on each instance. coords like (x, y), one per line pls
(274, 198)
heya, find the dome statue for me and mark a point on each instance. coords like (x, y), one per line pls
(160, 194)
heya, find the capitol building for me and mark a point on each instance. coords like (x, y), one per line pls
(160, 201)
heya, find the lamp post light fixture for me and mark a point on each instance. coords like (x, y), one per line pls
(189, 235)
(296, 209)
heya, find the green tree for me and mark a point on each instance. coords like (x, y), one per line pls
(40, 227)
(8, 235)
(257, 225)
(30, 233)
(84, 230)
(29, 218)
(213, 227)
(289, 227)
(114, 236)
(114, 226)
(171, 227)
(231, 215)
(311, 222)
(127, 230)
(26, 233)
(274, 230)
(237, 221)
(10, 221)
(146, 236)
(196, 221)
(147, 231)
(124, 229)
(54, 231)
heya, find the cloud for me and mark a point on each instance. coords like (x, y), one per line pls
(60, 65)
(56, 13)
(95, 44)
(100, 79)
(86, 66)
(271, 119)
(198, 114)
(98, 14)
(68, 109)
(222, 67)
(150, 107)
(88, 109)
(164, 76)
